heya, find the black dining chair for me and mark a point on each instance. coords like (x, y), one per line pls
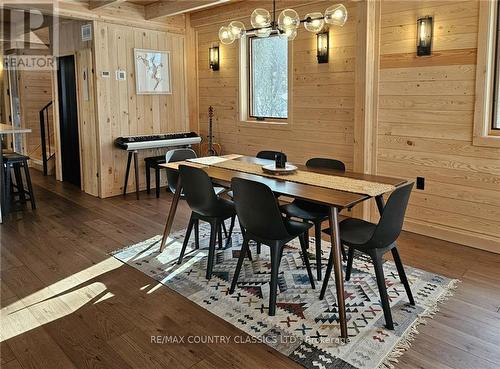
(312, 212)
(182, 154)
(259, 214)
(206, 206)
(375, 240)
(176, 155)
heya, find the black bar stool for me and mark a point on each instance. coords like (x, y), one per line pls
(14, 162)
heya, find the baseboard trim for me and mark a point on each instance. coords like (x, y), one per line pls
(462, 237)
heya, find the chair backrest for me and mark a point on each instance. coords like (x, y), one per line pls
(267, 154)
(257, 209)
(391, 222)
(326, 164)
(176, 155)
(198, 189)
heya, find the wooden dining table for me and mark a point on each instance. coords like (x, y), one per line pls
(336, 201)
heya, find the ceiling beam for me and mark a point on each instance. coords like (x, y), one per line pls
(97, 4)
(174, 7)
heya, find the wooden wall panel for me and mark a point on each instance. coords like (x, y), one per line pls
(426, 109)
(322, 97)
(120, 111)
(87, 128)
(35, 91)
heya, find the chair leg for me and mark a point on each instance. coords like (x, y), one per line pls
(384, 298)
(402, 274)
(344, 256)
(30, 186)
(197, 233)
(275, 266)
(303, 244)
(219, 232)
(317, 239)
(148, 178)
(258, 248)
(243, 251)
(214, 226)
(350, 259)
(157, 181)
(328, 273)
(8, 188)
(186, 239)
(231, 226)
(224, 229)
(19, 183)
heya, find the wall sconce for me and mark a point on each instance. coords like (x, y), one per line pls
(322, 47)
(424, 36)
(213, 57)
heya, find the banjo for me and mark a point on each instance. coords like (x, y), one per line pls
(210, 148)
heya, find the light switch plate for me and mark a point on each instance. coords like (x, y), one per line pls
(121, 75)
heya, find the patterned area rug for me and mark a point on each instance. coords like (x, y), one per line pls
(305, 328)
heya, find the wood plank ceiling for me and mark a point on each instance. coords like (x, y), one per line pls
(158, 9)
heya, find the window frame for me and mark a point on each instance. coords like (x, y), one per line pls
(245, 90)
(484, 134)
(250, 84)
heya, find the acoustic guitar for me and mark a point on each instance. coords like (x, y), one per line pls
(210, 148)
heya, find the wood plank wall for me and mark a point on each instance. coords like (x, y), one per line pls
(120, 111)
(322, 94)
(35, 91)
(426, 109)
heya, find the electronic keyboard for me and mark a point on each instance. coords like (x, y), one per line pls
(144, 142)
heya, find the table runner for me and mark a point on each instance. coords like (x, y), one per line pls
(311, 178)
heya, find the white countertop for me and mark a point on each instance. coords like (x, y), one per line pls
(6, 129)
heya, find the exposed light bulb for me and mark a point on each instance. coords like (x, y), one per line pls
(338, 14)
(226, 36)
(314, 22)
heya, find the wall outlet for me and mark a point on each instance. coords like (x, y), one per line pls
(420, 183)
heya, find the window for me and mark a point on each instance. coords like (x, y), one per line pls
(268, 78)
(487, 108)
(495, 121)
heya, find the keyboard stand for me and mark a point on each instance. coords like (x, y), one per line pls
(136, 172)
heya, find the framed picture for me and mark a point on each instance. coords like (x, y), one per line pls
(152, 72)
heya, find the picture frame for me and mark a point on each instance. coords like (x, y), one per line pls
(152, 72)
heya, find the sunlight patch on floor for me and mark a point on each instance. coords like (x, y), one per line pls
(56, 301)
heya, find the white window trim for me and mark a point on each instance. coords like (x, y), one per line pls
(483, 134)
(244, 113)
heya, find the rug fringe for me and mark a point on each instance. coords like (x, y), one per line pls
(409, 336)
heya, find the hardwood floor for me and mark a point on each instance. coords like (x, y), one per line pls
(76, 307)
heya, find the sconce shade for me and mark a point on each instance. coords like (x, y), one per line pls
(424, 36)
(226, 36)
(213, 57)
(237, 28)
(289, 34)
(314, 22)
(263, 32)
(322, 47)
(288, 19)
(336, 15)
(260, 18)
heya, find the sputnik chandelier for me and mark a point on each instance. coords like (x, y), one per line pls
(288, 22)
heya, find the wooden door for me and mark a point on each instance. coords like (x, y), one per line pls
(88, 129)
(68, 120)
